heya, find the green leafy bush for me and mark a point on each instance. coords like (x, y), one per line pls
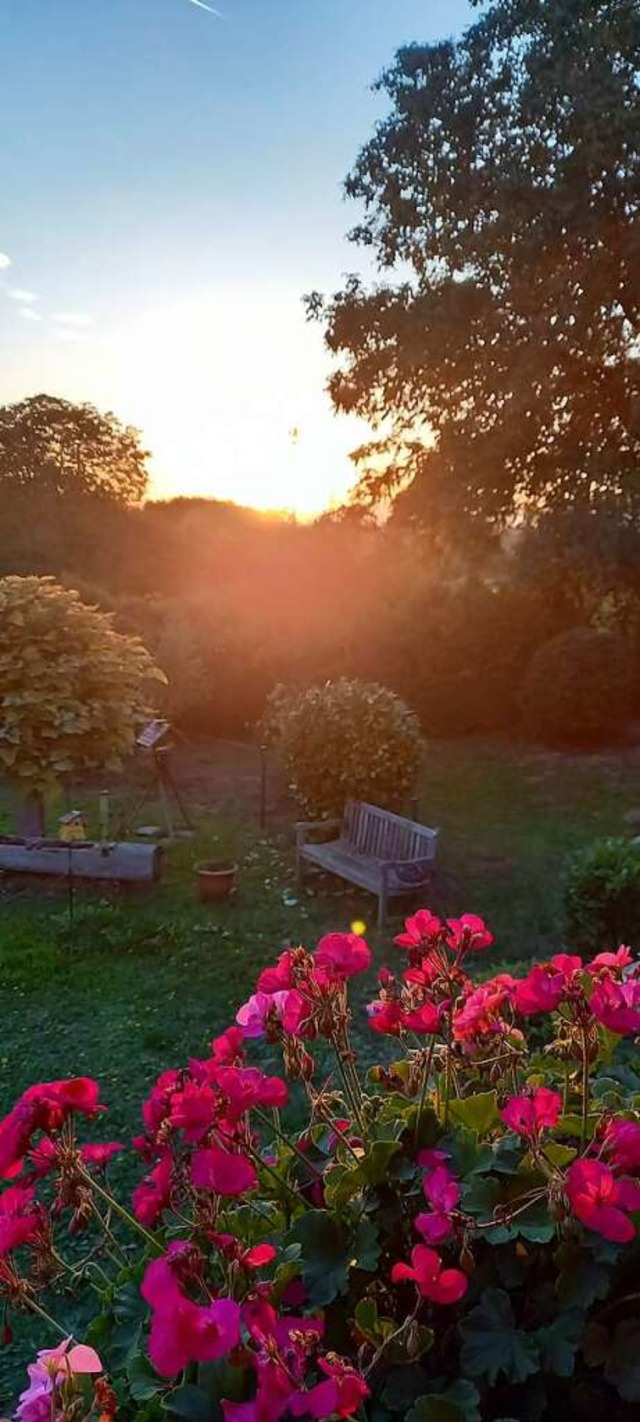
(578, 688)
(345, 740)
(72, 691)
(602, 895)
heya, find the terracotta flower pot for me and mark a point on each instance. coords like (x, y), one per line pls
(216, 878)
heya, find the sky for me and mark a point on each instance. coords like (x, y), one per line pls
(170, 186)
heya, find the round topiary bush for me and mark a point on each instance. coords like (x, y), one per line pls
(578, 688)
(345, 740)
(602, 895)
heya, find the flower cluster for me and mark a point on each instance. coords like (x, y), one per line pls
(308, 1261)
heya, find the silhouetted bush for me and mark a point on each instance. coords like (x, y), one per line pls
(578, 689)
(602, 895)
(345, 740)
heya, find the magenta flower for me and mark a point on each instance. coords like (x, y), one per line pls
(600, 1201)
(286, 1009)
(99, 1153)
(19, 1218)
(468, 934)
(222, 1172)
(280, 975)
(339, 1396)
(622, 1144)
(53, 1367)
(442, 1286)
(387, 1018)
(153, 1195)
(422, 1019)
(529, 1115)
(343, 955)
(184, 1332)
(419, 929)
(617, 961)
(617, 1006)
(541, 991)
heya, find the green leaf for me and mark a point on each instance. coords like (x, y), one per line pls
(325, 1257)
(403, 1386)
(191, 1403)
(143, 1380)
(478, 1113)
(366, 1246)
(559, 1342)
(581, 1279)
(620, 1354)
(435, 1408)
(492, 1344)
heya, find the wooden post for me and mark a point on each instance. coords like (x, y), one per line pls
(263, 787)
(31, 815)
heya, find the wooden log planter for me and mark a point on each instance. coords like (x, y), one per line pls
(82, 859)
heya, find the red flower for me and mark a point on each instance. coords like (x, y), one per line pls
(541, 991)
(222, 1172)
(341, 1394)
(622, 1143)
(343, 955)
(386, 1017)
(600, 1201)
(442, 1286)
(228, 1047)
(245, 1087)
(529, 1115)
(280, 976)
(420, 928)
(153, 1194)
(422, 1019)
(193, 1110)
(99, 1153)
(617, 1006)
(468, 934)
(19, 1218)
(184, 1332)
(43, 1107)
(617, 961)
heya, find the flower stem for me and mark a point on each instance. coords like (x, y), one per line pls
(120, 1210)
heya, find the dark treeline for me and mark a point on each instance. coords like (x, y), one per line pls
(232, 601)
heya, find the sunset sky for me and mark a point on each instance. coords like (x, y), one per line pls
(170, 185)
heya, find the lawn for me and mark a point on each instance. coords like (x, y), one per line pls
(140, 982)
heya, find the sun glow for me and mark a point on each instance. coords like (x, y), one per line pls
(227, 387)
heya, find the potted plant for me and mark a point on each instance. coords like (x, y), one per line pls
(216, 879)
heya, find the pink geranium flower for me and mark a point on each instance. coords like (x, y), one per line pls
(19, 1218)
(617, 1006)
(280, 975)
(53, 1367)
(344, 955)
(99, 1153)
(616, 962)
(529, 1115)
(153, 1195)
(339, 1396)
(387, 1018)
(420, 928)
(622, 1144)
(286, 1009)
(182, 1331)
(601, 1201)
(468, 934)
(442, 1286)
(222, 1172)
(425, 1018)
(541, 991)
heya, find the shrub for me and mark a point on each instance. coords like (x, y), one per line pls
(345, 740)
(454, 1237)
(602, 895)
(72, 691)
(578, 688)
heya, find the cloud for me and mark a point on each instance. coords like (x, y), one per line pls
(24, 297)
(5, 261)
(28, 314)
(71, 318)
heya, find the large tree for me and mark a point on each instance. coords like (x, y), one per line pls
(52, 448)
(497, 358)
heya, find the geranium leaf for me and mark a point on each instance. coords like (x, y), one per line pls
(478, 1113)
(144, 1382)
(559, 1341)
(325, 1257)
(492, 1344)
(435, 1408)
(189, 1402)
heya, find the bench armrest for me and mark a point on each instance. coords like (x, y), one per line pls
(303, 827)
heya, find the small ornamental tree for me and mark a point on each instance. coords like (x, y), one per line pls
(346, 740)
(72, 691)
(450, 1236)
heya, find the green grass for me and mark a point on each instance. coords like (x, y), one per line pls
(142, 981)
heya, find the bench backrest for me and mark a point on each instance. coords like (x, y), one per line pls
(383, 835)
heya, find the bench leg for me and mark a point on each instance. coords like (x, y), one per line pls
(298, 869)
(382, 908)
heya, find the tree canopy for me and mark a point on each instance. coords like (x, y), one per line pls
(497, 357)
(52, 447)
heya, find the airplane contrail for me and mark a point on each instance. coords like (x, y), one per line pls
(209, 8)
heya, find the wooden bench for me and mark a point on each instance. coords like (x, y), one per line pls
(376, 850)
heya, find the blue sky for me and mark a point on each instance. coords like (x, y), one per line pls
(170, 187)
